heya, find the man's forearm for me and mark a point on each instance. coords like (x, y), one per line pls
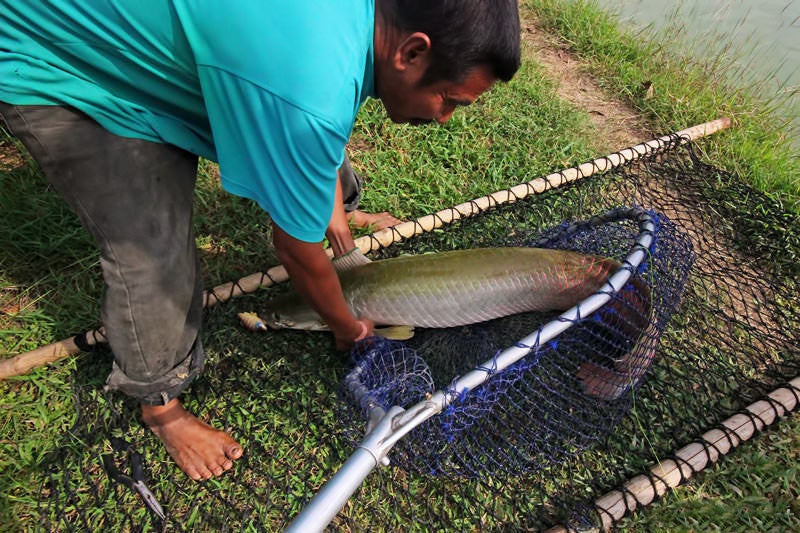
(338, 233)
(314, 278)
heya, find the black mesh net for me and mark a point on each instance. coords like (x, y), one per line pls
(537, 443)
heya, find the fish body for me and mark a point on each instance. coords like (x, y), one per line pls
(461, 287)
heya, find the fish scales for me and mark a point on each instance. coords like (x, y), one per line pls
(457, 288)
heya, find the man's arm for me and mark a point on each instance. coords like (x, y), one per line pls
(346, 254)
(338, 232)
(314, 278)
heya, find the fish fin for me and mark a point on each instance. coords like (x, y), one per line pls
(398, 333)
(601, 382)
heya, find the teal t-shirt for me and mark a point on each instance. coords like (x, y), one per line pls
(269, 89)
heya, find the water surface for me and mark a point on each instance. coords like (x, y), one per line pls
(757, 41)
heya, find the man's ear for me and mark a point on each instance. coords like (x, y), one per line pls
(412, 52)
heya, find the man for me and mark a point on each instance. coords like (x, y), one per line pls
(116, 99)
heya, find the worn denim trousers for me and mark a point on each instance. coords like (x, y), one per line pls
(352, 185)
(135, 199)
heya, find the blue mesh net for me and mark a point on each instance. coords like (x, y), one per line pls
(567, 393)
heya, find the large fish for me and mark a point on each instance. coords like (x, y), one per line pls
(456, 288)
(447, 289)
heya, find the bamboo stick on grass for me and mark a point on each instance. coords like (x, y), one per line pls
(643, 489)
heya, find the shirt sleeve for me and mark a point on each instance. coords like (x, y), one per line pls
(271, 151)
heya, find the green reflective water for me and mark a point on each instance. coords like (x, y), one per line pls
(758, 40)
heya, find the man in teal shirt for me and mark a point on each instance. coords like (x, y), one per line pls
(116, 99)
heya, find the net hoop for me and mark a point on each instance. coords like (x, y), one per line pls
(415, 415)
(386, 425)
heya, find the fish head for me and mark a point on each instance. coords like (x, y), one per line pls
(282, 316)
(276, 321)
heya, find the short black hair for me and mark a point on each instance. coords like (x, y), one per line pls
(464, 34)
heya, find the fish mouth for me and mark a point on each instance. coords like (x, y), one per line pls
(275, 321)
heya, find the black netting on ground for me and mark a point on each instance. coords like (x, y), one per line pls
(732, 337)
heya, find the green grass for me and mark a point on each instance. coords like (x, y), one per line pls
(754, 489)
(50, 283)
(510, 135)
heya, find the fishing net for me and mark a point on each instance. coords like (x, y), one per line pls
(570, 390)
(707, 324)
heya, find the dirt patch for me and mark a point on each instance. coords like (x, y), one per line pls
(618, 124)
(10, 157)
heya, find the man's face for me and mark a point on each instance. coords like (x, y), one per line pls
(408, 102)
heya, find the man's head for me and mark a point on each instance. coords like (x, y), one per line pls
(432, 56)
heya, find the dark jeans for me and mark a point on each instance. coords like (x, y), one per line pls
(135, 198)
(352, 184)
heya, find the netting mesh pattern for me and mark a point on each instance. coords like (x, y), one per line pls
(732, 338)
(568, 392)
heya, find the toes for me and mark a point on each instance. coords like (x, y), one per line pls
(203, 473)
(233, 452)
(193, 472)
(213, 465)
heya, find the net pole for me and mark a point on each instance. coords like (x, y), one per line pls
(643, 489)
(25, 362)
(374, 449)
(333, 495)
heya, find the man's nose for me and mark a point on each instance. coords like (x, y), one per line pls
(444, 117)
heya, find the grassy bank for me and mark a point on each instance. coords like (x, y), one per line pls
(671, 90)
(50, 285)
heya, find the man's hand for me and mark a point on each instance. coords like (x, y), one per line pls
(351, 259)
(372, 221)
(315, 280)
(367, 329)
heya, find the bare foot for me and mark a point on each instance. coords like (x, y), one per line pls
(201, 451)
(375, 221)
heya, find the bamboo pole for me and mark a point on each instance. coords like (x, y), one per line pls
(23, 363)
(643, 489)
(386, 237)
